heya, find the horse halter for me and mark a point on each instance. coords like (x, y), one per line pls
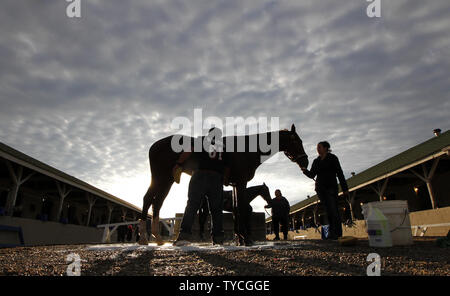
(296, 157)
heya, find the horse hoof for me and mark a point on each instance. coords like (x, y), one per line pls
(143, 242)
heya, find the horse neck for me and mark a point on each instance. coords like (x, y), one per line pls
(283, 140)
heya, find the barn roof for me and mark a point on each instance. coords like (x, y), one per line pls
(16, 156)
(409, 158)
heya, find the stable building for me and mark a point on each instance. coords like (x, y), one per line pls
(42, 205)
(419, 175)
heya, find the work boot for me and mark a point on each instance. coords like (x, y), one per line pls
(249, 242)
(332, 237)
(218, 240)
(142, 233)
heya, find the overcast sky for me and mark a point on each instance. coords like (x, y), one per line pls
(89, 96)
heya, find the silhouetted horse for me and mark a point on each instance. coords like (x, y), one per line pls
(250, 194)
(243, 166)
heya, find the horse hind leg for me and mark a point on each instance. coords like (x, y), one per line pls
(157, 204)
(148, 200)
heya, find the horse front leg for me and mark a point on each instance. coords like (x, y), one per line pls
(157, 204)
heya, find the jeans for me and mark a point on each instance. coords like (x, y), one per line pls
(209, 184)
(328, 197)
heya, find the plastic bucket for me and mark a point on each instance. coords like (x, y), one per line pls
(396, 211)
(378, 228)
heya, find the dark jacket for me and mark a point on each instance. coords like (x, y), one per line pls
(280, 207)
(326, 171)
(215, 161)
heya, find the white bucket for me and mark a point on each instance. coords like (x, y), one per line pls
(396, 211)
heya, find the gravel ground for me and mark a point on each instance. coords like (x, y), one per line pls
(295, 258)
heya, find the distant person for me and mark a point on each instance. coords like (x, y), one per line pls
(326, 167)
(280, 214)
(129, 233)
(121, 232)
(136, 233)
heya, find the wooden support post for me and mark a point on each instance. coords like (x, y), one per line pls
(18, 179)
(350, 201)
(63, 193)
(124, 213)
(380, 190)
(110, 208)
(431, 193)
(383, 189)
(11, 200)
(315, 215)
(427, 178)
(91, 200)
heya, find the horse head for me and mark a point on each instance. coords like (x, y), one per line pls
(294, 148)
(265, 193)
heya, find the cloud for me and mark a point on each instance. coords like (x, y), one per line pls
(89, 96)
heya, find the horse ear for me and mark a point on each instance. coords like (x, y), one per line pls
(293, 128)
(264, 183)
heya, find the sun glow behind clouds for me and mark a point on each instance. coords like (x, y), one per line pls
(133, 189)
(293, 185)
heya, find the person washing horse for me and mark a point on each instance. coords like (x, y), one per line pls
(206, 181)
(280, 213)
(326, 167)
